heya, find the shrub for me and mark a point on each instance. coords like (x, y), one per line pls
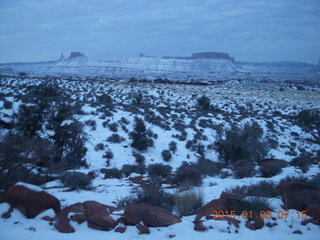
(270, 169)
(204, 103)
(173, 146)
(243, 169)
(262, 189)
(153, 196)
(113, 127)
(303, 162)
(309, 121)
(159, 170)
(115, 138)
(140, 139)
(7, 104)
(166, 155)
(207, 167)
(128, 169)
(140, 159)
(108, 154)
(254, 204)
(105, 98)
(188, 203)
(112, 173)
(187, 173)
(242, 144)
(99, 147)
(76, 180)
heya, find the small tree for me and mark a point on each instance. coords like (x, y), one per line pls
(309, 121)
(242, 144)
(140, 139)
(204, 103)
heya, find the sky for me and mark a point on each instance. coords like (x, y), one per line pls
(249, 30)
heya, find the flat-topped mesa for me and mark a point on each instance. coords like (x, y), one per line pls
(204, 55)
(76, 54)
(211, 55)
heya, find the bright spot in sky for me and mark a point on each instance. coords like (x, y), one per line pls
(100, 20)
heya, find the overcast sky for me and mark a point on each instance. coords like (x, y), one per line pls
(249, 30)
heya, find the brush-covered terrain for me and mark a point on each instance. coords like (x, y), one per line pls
(250, 154)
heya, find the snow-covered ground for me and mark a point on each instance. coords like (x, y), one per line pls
(168, 111)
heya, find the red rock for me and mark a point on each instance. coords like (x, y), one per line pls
(172, 235)
(7, 214)
(310, 220)
(258, 223)
(150, 216)
(297, 232)
(47, 218)
(98, 216)
(234, 222)
(62, 223)
(313, 210)
(79, 217)
(221, 204)
(120, 229)
(30, 202)
(143, 229)
(198, 226)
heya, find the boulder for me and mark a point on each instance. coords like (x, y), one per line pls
(30, 202)
(120, 229)
(143, 229)
(224, 204)
(98, 217)
(198, 226)
(149, 215)
(313, 210)
(298, 196)
(255, 224)
(62, 222)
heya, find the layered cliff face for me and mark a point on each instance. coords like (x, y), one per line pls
(143, 66)
(204, 68)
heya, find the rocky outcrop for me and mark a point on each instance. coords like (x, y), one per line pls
(150, 216)
(96, 214)
(222, 204)
(98, 217)
(29, 201)
(298, 196)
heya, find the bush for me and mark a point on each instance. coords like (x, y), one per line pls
(113, 127)
(244, 144)
(207, 167)
(309, 121)
(243, 169)
(166, 155)
(188, 203)
(187, 173)
(112, 173)
(153, 196)
(262, 189)
(204, 103)
(128, 169)
(140, 159)
(270, 169)
(76, 180)
(303, 162)
(7, 104)
(140, 139)
(115, 138)
(159, 170)
(254, 204)
(99, 147)
(108, 154)
(173, 146)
